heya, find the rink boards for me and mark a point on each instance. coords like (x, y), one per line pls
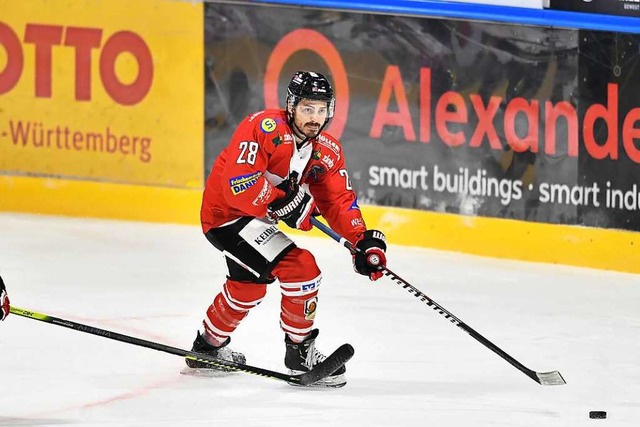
(571, 245)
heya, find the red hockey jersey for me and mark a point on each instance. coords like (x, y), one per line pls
(261, 154)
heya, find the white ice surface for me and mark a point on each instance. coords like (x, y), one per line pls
(411, 368)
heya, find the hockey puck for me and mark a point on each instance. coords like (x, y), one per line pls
(597, 415)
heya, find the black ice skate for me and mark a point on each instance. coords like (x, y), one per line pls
(200, 345)
(301, 357)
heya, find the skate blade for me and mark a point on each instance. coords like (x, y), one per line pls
(205, 373)
(334, 381)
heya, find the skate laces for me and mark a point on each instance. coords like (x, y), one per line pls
(313, 356)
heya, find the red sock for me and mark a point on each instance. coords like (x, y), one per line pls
(229, 307)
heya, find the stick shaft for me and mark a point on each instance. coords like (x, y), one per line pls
(441, 310)
(153, 345)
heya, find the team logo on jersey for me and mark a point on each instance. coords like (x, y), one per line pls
(316, 154)
(315, 171)
(310, 307)
(276, 141)
(242, 183)
(268, 125)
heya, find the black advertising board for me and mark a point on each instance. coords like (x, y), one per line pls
(473, 118)
(612, 7)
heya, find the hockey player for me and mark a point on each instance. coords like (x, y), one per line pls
(4, 301)
(280, 165)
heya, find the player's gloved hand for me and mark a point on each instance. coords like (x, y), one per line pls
(372, 254)
(295, 208)
(4, 301)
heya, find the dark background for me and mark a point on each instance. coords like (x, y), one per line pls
(466, 57)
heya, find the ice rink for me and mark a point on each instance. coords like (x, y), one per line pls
(411, 367)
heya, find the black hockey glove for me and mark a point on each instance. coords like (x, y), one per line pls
(4, 301)
(372, 247)
(295, 208)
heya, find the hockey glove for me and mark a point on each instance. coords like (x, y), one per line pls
(295, 208)
(372, 254)
(4, 301)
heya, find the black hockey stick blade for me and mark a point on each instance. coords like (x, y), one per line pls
(336, 359)
(332, 363)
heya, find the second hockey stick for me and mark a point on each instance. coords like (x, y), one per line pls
(334, 361)
(544, 378)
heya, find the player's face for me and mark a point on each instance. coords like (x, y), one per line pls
(310, 116)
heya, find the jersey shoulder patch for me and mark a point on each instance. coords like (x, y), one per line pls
(268, 125)
(330, 142)
(271, 125)
(267, 121)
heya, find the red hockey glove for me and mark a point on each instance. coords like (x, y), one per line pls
(4, 301)
(372, 254)
(295, 208)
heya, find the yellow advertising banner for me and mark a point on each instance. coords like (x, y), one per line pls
(102, 90)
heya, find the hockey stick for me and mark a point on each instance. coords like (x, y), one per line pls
(544, 378)
(334, 361)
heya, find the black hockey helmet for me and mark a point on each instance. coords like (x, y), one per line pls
(310, 85)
